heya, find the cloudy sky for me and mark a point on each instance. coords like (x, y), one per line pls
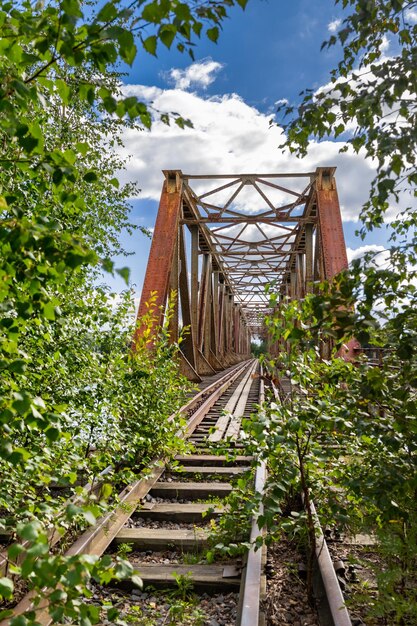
(266, 54)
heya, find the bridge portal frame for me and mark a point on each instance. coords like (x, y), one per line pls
(218, 291)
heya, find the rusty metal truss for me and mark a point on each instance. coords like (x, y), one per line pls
(219, 240)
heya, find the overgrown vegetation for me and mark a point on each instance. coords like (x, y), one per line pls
(114, 410)
(258, 348)
(346, 434)
(229, 533)
(347, 431)
(75, 400)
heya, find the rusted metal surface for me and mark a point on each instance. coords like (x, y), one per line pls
(189, 350)
(330, 224)
(241, 233)
(338, 614)
(252, 588)
(164, 245)
(249, 613)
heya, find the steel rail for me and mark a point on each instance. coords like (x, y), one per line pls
(211, 388)
(251, 592)
(231, 407)
(96, 539)
(337, 613)
(201, 412)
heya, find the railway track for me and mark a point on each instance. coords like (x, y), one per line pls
(163, 525)
(162, 522)
(327, 581)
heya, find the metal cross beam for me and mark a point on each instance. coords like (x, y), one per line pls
(238, 233)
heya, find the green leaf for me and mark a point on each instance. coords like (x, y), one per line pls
(82, 147)
(107, 13)
(167, 34)
(150, 44)
(127, 46)
(19, 455)
(72, 510)
(63, 90)
(213, 34)
(49, 311)
(22, 403)
(53, 434)
(397, 164)
(112, 613)
(154, 12)
(6, 613)
(6, 588)
(136, 580)
(38, 549)
(124, 272)
(30, 531)
(18, 366)
(106, 491)
(183, 123)
(107, 265)
(90, 177)
(14, 551)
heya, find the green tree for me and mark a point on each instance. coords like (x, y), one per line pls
(258, 348)
(369, 103)
(73, 397)
(349, 425)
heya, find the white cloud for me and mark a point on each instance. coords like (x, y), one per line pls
(200, 74)
(229, 136)
(333, 26)
(411, 16)
(281, 101)
(385, 44)
(381, 254)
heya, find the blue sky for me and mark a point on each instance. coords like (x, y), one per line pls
(270, 51)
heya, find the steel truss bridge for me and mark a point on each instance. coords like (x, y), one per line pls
(220, 239)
